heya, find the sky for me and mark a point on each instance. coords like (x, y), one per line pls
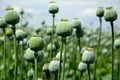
(85, 10)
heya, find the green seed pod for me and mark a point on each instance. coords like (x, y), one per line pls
(57, 44)
(3, 23)
(11, 17)
(110, 14)
(76, 23)
(21, 11)
(49, 47)
(79, 33)
(63, 28)
(82, 66)
(20, 35)
(49, 31)
(36, 43)
(117, 43)
(88, 56)
(53, 8)
(29, 55)
(8, 31)
(100, 12)
(54, 65)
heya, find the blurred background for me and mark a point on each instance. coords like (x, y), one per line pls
(37, 10)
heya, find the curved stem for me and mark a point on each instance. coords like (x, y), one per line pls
(36, 64)
(63, 68)
(60, 61)
(98, 47)
(88, 66)
(4, 54)
(15, 52)
(112, 30)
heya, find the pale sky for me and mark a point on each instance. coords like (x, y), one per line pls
(85, 10)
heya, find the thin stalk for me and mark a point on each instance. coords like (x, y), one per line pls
(55, 76)
(15, 52)
(22, 60)
(98, 47)
(36, 64)
(79, 45)
(4, 54)
(88, 66)
(81, 74)
(118, 67)
(60, 61)
(75, 56)
(63, 68)
(112, 30)
(52, 36)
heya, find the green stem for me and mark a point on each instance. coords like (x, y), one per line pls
(112, 30)
(4, 54)
(63, 68)
(88, 66)
(15, 52)
(22, 60)
(75, 56)
(52, 36)
(98, 47)
(55, 76)
(36, 64)
(60, 61)
(81, 74)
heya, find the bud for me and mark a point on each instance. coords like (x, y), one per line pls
(54, 65)
(29, 55)
(88, 56)
(63, 28)
(100, 12)
(8, 31)
(110, 14)
(117, 43)
(20, 35)
(3, 23)
(11, 17)
(53, 8)
(36, 43)
(82, 66)
(76, 23)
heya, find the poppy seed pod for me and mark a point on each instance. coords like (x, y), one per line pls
(54, 65)
(100, 12)
(82, 66)
(29, 55)
(88, 56)
(49, 46)
(63, 28)
(36, 43)
(8, 31)
(76, 23)
(45, 67)
(30, 73)
(11, 17)
(79, 33)
(57, 44)
(3, 23)
(49, 31)
(53, 8)
(110, 14)
(20, 35)
(117, 43)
